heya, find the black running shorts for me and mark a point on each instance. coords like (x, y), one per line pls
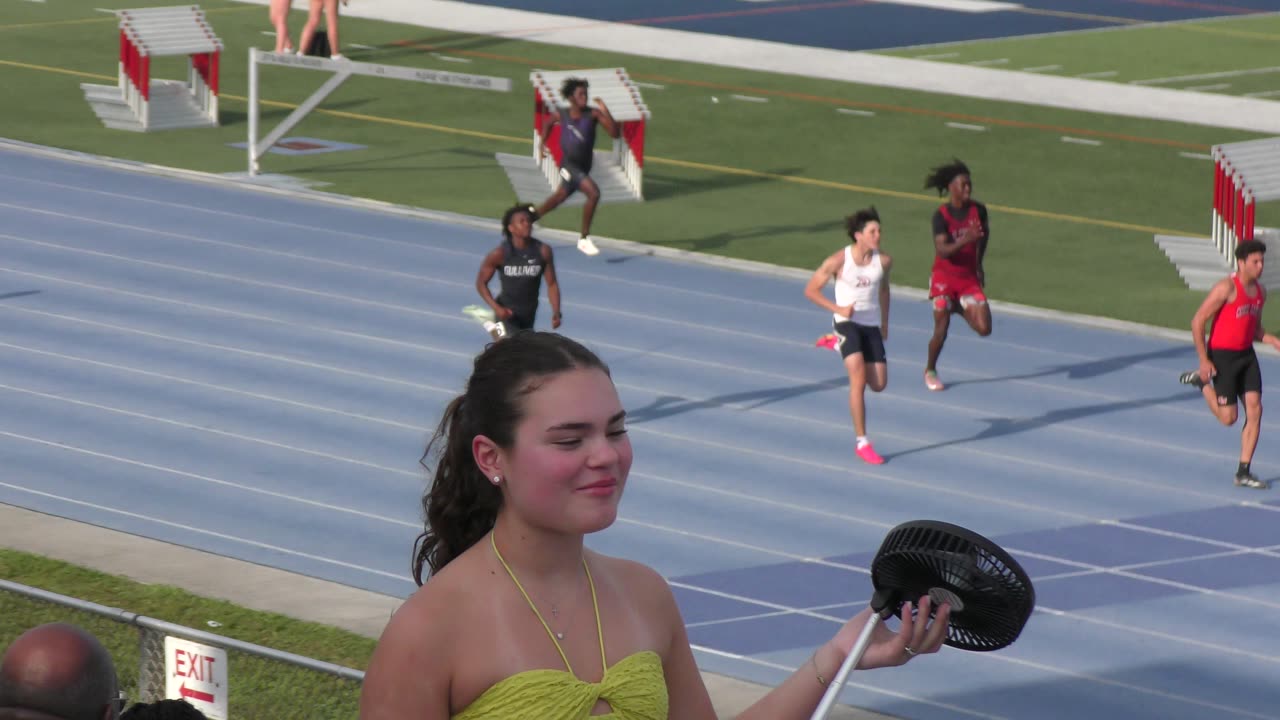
(1238, 373)
(855, 338)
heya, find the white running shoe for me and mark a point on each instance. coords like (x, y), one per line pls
(587, 247)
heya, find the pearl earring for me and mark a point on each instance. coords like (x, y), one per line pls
(497, 479)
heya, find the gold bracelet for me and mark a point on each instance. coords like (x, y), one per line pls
(816, 670)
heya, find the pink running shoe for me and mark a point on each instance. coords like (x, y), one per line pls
(932, 382)
(827, 342)
(869, 455)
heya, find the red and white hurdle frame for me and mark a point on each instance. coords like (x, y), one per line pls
(146, 33)
(1244, 174)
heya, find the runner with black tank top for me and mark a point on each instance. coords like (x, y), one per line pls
(577, 147)
(1228, 364)
(860, 316)
(521, 262)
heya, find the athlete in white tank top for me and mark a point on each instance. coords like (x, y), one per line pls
(859, 286)
(862, 296)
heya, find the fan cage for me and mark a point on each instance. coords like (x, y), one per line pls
(921, 557)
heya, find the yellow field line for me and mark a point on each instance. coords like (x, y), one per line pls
(688, 164)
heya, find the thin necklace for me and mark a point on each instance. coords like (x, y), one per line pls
(555, 611)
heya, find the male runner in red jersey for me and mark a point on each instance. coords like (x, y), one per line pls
(1228, 365)
(960, 233)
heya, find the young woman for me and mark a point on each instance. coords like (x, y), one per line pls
(518, 619)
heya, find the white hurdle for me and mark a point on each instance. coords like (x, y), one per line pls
(341, 69)
(148, 33)
(620, 95)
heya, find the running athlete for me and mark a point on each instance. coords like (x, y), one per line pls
(860, 315)
(957, 282)
(521, 262)
(577, 145)
(1228, 365)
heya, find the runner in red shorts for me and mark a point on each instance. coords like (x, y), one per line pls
(960, 234)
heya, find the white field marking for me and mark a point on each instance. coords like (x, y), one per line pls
(745, 546)
(564, 272)
(1207, 88)
(210, 533)
(208, 479)
(966, 126)
(429, 313)
(212, 431)
(853, 111)
(851, 683)
(1196, 156)
(827, 467)
(382, 518)
(388, 241)
(1081, 141)
(929, 403)
(802, 558)
(750, 98)
(310, 407)
(1208, 76)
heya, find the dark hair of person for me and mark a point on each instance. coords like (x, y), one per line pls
(1249, 247)
(570, 85)
(940, 177)
(510, 214)
(857, 221)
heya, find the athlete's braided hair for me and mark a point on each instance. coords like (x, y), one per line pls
(940, 177)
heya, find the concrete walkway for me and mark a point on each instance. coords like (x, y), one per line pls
(1225, 111)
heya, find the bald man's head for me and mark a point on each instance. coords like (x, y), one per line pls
(60, 670)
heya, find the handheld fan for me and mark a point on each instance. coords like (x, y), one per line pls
(991, 596)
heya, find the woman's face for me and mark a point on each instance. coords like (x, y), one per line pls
(569, 463)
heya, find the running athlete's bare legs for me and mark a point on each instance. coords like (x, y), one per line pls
(857, 368)
(877, 376)
(1252, 424)
(941, 322)
(1227, 413)
(978, 316)
(553, 202)
(592, 193)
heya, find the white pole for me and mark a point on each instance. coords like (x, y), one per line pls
(855, 654)
(253, 111)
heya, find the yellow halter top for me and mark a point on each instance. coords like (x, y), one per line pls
(634, 687)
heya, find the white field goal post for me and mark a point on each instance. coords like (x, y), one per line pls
(1245, 174)
(341, 69)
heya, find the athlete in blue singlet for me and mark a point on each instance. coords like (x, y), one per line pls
(577, 145)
